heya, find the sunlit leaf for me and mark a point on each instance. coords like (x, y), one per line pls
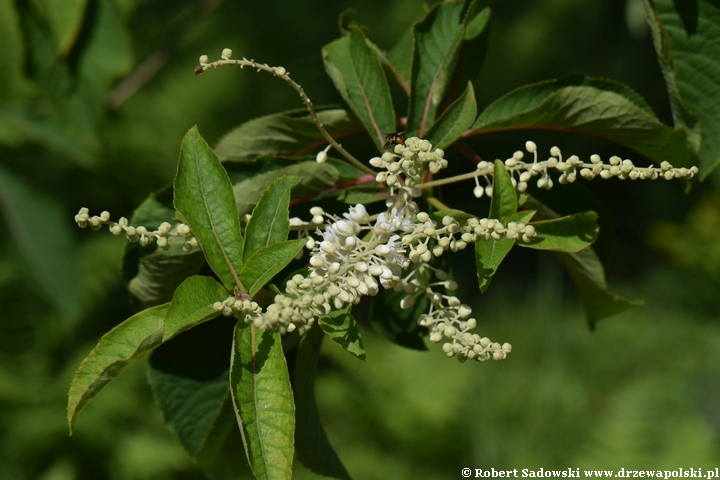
(204, 197)
(263, 399)
(270, 222)
(267, 262)
(565, 234)
(192, 304)
(116, 350)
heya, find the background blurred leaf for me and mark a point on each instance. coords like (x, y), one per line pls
(593, 106)
(11, 55)
(64, 19)
(355, 69)
(687, 41)
(283, 134)
(40, 230)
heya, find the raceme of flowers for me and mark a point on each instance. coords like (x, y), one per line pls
(569, 169)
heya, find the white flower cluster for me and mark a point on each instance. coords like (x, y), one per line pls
(138, 234)
(357, 256)
(571, 167)
(412, 159)
(233, 305)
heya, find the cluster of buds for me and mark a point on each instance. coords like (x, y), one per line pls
(139, 234)
(410, 162)
(570, 168)
(235, 306)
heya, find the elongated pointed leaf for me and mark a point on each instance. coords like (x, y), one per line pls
(283, 135)
(687, 41)
(400, 59)
(41, 234)
(192, 304)
(204, 197)
(270, 221)
(263, 399)
(454, 121)
(313, 447)
(343, 329)
(116, 350)
(438, 38)
(504, 199)
(565, 234)
(189, 375)
(267, 262)
(489, 254)
(588, 274)
(592, 106)
(356, 71)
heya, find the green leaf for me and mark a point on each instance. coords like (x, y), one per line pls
(504, 198)
(193, 304)
(41, 233)
(588, 275)
(270, 221)
(565, 234)
(343, 329)
(116, 350)
(313, 447)
(592, 106)
(454, 121)
(283, 135)
(267, 262)
(438, 38)
(152, 273)
(357, 74)
(204, 197)
(399, 59)
(189, 375)
(64, 19)
(687, 41)
(316, 178)
(489, 254)
(263, 399)
(363, 194)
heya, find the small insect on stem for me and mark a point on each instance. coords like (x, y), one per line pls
(392, 139)
(199, 70)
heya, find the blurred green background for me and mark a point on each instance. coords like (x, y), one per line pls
(95, 96)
